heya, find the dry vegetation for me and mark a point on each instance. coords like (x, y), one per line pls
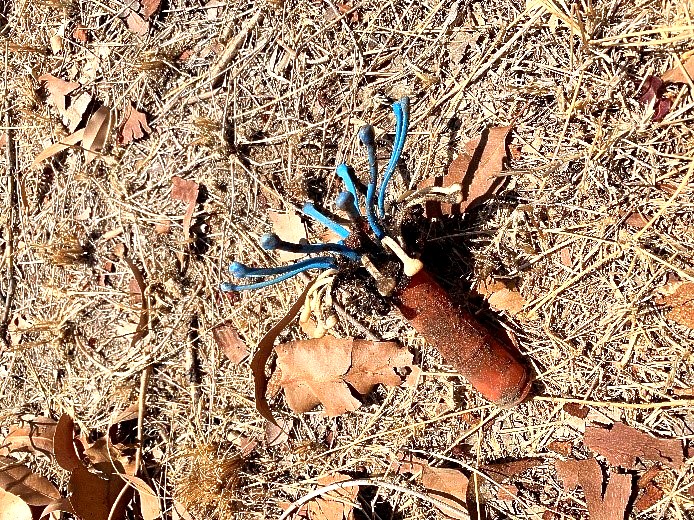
(585, 157)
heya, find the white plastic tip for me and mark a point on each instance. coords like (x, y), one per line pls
(411, 266)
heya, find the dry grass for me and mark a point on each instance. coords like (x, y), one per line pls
(287, 112)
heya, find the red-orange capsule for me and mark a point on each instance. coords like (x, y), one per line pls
(494, 368)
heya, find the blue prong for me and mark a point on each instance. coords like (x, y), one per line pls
(346, 202)
(310, 210)
(271, 242)
(240, 270)
(343, 173)
(368, 137)
(285, 272)
(401, 109)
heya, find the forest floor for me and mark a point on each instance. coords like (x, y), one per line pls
(110, 284)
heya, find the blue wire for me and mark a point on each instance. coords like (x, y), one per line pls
(366, 135)
(310, 210)
(240, 270)
(271, 241)
(401, 109)
(342, 172)
(313, 263)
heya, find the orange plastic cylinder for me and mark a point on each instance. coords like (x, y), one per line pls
(494, 369)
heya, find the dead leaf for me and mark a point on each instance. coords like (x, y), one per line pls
(502, 296)
(3, 140)
(336, 505)
(477, 170)
(58, 90)
(162, 227)
(577, 410)
(34, 434)
(290, 228)
(135, 126)
(588, 474)
(561, 447)
(94, 497)
(448, 485)
(622, 445)
(80, 34)
(650, 486)
(149, 7)
(69, 141)
(227, 339)
(680, 297)
(676, 75)
(637, 220)
(19, 480)
(63, 444)
(149, 501)
(185, 191)
(652, 92)
(96, 132)
(136, 23)
(276, 434)
(13, 508)
(321, 371)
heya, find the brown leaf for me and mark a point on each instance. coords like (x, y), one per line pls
(622, 445)
(149, 7)
(96, 132)
(637, 220)
(136, 23)
(69, 141)
(63, 444)
(94, 497)
(451, 486)
(289, 227)
(448, 485)
(80, 34)
(35, 434)
(149, 501)
(676, 75)
(58, 90)
(561, 447)
(477, 171)
(502, 296)
(13, 508)
(227, 338)
(135, 126)
(276, 434)
(679, 296)
(185, 191)
(321, 371)
(336, 505)
(19, 480)
(588, 474)
(577, 410)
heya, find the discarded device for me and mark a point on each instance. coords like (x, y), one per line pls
(493, 367)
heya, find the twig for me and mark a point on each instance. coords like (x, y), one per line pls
(232, 48)
(12, 206)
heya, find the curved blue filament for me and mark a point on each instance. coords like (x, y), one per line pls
(401, 109)
(310, 210)
(342, 172)
(271, 241)
(285, 272)
(366, 135)
(240, 270)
